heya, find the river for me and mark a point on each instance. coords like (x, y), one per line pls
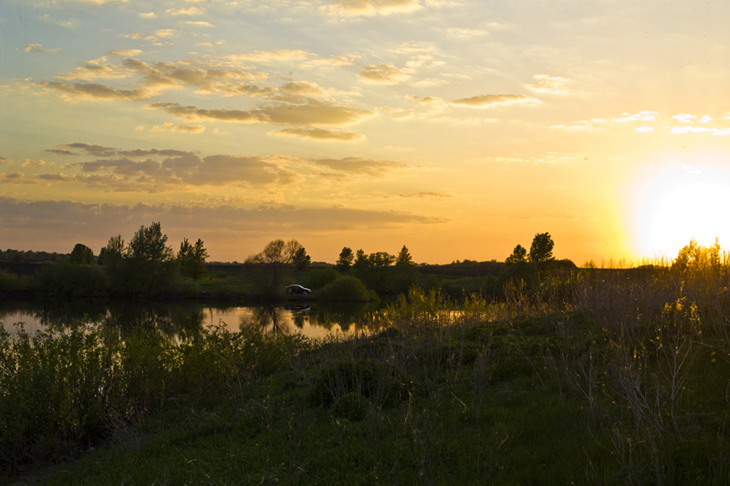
(182, 320)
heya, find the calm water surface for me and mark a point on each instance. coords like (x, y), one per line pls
(181, 320)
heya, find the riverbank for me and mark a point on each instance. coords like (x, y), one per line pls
(622, 383)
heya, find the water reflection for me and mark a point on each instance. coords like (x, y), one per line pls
(184, 321)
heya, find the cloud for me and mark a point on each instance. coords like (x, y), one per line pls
(126, 52)
(284, 55)
(548, 84)
(461, 33)
(30, 163)
(166, 33)
(359, 166)
(644, 129)
(320, 134)
(311, 113)
(383, 74)
(61, 152)
(641, 116)
(148, 15)
(190, 12)
(369, 8)
(199, 23)
(63, 222)
(426, 195)
(96, 150)
(39, 48)
(486, 101)
(189, 169)
(181, 128)
(97, 91)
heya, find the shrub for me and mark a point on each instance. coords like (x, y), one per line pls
(321, 277)
(64, 280)
(345, 289)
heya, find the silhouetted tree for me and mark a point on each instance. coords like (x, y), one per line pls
(519, 255)
(301, 260)
(541, 249)
(269, 268)
(150, 244)
(346, 259)
(146, 267)
(113, 251)
(404, 257)
(192, 259)
(81, 255)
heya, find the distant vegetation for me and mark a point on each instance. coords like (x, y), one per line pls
(148, 267)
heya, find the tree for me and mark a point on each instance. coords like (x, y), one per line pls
(146, 267)
(519, 255)
(192, 259)
(113, 251)
(81, 255)
(150, 244)
(346, 259)
(301, 260)
(541, 249)
(269, 267)
(404, 257)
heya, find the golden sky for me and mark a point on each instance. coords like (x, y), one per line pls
(457, 128)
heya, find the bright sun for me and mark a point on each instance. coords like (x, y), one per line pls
(681, 204)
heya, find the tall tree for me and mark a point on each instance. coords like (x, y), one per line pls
(192, 259)
(541, 249)
(150, 244)
(346, 259)
(81, 255)
(113, 251)
(404, 257)
(519, 255)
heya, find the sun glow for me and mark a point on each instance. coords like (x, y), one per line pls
(681, 204)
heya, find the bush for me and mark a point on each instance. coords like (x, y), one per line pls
(321, 277)
(64, 281)
(11, 283)
(345, 289)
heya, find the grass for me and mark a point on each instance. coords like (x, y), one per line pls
(593, 377)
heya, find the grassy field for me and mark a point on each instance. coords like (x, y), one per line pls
(587, 377)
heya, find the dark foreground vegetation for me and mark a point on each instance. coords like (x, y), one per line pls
(584, 377)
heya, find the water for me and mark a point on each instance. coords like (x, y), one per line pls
(183, 320)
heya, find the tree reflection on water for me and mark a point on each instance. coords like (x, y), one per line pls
(185, 321)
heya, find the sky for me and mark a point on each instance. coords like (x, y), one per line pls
(458, 128)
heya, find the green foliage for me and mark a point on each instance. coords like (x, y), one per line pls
(13, 284)
(320, 277)
(68, 281)
(344, 289)
(381, 383)
(149, 245)
(404, 257)
(519, 255)
(541, 249)
(191, 259)
(695, 257)
(82, 255)
(346, 259)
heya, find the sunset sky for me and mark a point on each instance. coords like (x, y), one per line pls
(457, 128)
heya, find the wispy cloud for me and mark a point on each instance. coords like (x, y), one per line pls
(486, 101)
(190, 11)
(312, 112)
(126, 52)
(40, 48)
(369, 8)
(383, 74)
(548, 84)
(320, 134)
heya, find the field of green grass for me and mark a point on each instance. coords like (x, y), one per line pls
(587, 377)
